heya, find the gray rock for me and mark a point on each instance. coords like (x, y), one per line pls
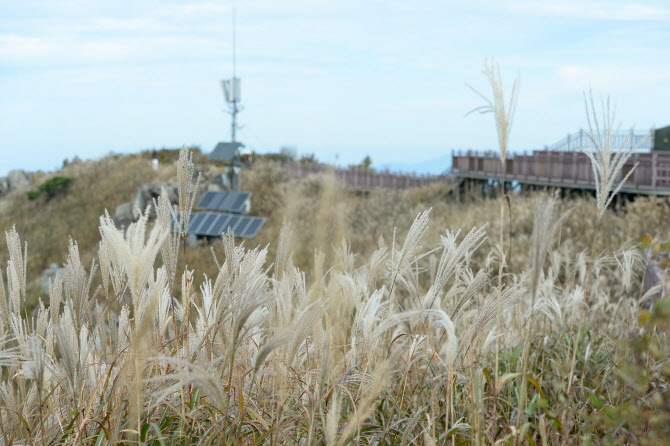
(653, 276)
(18, 179)
(172, 191)
(4, 186)
(141, 201)
(123, 215)
(48, 275)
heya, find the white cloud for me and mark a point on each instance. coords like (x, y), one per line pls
(592, 10)
(607, 77)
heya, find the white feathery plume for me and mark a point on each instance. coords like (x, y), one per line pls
(17, 259)
(503, 113)
(187, 188)
(166, 216)
(400, 263)
(136, 255)
(606, 158)
(453, 256)
(630, 260)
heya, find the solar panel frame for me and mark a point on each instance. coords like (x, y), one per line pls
(223, 201)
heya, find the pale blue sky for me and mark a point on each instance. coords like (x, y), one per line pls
(347, 78)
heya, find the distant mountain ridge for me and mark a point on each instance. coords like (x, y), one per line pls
(435, 166)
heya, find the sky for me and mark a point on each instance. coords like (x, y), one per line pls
(338, 78)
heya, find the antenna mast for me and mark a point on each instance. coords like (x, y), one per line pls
(235, 81)
(231, 89)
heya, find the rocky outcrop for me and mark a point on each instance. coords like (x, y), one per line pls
(123, 215)
(655, 285)
(4, 186)
(130, 211)
(141, 201)
(18, 179)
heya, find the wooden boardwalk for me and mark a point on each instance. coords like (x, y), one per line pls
(360, 178)
(563, 169)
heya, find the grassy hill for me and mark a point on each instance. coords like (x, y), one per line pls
(320, 211)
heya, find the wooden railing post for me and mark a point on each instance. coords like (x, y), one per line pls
(654, 158)
(581, 138)
(525, 163)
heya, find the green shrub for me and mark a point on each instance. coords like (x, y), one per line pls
(51, 187)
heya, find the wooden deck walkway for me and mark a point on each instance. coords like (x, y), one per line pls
(360, 178)
(563, 169)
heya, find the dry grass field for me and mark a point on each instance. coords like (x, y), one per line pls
(350, 319)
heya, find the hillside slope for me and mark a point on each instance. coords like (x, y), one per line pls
(319, 210)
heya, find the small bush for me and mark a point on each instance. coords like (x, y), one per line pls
(51, 187)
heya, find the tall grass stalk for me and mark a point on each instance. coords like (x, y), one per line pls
(503, 114)
(607, 161)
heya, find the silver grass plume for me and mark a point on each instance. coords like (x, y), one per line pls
(487, 315)
(401, 260)
(332, 419)
(77, 285)
(187, 188)
(166, 216)
(283, 257)
(473, 285)
(4, 308)
(135, 253)
(111, 266)
(629, 260)
(453, 256)
(17, 258)
(607, 160)
(503, 113)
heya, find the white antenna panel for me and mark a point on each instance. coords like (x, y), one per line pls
(231, 89)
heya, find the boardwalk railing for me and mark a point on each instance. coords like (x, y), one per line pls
(564, 169)
(577, 140)
(359, 178)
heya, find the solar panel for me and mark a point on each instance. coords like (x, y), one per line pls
(214, 224)
(207, 224)
(224, 201)
(225, 151)
(254, 226)
(232, 224)
(206, 200)
(242, 227)
(217, 230)
(195, 221)
(239, 201)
